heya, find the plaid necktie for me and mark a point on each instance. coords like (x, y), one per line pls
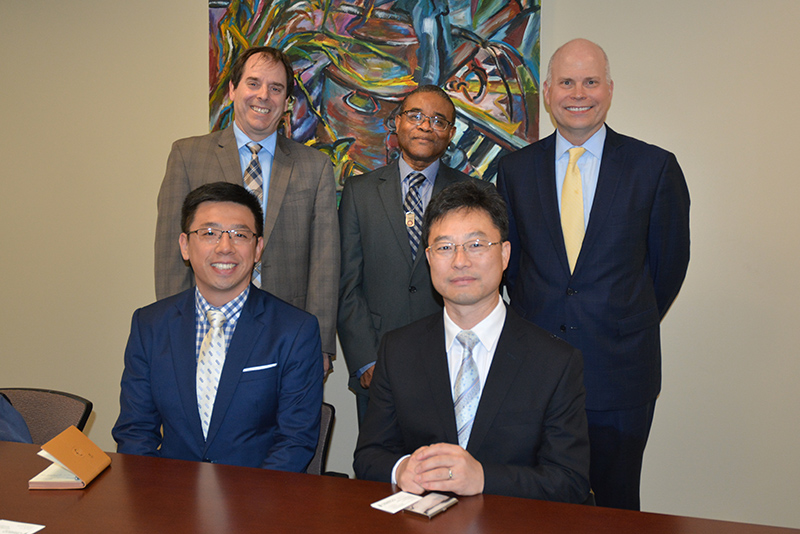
(572, 225)
(412, 206)
(253, 181)
(209, 367)
(467, 388)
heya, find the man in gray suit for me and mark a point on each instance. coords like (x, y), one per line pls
(386, 283)
(300, 262)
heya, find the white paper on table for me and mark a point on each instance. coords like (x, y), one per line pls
(15, 527)
(396, 502)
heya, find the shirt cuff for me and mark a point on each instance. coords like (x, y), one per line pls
(364, 369)
(394, 469)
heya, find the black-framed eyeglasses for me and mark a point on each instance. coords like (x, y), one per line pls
(211, 236)
(473, 248)
(417, 118)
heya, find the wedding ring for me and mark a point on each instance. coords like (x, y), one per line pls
(450, 474)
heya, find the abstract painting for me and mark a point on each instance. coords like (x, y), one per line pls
(355, 60)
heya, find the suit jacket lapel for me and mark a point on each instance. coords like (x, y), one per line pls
(607, 183)
(433, 362)
(391, 195)
(282, 165)
(247, 333)
(504, 368)
(228, 157)
(545, 182)
(182, 329)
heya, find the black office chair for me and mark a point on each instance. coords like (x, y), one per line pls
(48, 413)
(317, 465)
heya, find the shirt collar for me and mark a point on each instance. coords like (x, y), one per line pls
(267, 144)
(488, 330)
(429, 172)
(231, 309)
(593, 145)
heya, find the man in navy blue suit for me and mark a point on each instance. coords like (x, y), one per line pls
(252, 395)
(606, 288)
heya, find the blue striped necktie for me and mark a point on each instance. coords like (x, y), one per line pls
(412, 206)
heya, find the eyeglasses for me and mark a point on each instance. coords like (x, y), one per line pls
(211, 236)
(472, 249)
(417, 118)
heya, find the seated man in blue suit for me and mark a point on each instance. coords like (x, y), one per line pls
(12, 425)
(475, 399)
(222, 372)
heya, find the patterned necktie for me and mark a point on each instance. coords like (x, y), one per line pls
(412, 206)
(572, 224)
(467, 388)
(253, 181)
(209, 367)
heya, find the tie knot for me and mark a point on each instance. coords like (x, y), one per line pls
(255, 148)
(215, 318)
(415, 179)
(468, 340)
(575, 154)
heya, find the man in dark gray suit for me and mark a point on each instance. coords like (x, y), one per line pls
(300, 261)
(385, 283)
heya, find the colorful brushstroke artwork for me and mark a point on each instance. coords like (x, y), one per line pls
(355, 61)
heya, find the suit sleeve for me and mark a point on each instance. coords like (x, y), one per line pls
(380, 442)
(668, 237)
(138, 428)
(561, 468)
(171, 273)
(357, 334)
(323, 270)
(299, 403)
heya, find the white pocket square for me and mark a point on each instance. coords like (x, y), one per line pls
(258, 368)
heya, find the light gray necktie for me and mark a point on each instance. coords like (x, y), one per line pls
(467, 388)
(209, 367)
(254, 182)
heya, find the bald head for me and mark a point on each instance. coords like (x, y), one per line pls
(578, 89)
(581, 46)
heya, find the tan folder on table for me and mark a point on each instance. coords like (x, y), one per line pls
(76, 462)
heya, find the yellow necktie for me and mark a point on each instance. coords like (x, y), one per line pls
(572, 207)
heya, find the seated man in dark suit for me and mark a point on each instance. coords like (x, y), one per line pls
(222, 372)
(475, 399)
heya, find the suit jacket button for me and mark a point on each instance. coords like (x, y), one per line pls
(571, 292)
(412, 289)
(563, 328)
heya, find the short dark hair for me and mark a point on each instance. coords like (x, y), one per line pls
(469, 195)
(435, 90)
(269, 54)
(221, 192)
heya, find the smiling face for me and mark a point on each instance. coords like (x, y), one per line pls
(221, 270)
(469, 285)
(260, 99)
(578, 92)
(420, 143)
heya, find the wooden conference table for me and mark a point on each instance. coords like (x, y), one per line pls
(154, 495)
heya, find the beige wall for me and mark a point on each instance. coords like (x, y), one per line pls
(109, 85)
